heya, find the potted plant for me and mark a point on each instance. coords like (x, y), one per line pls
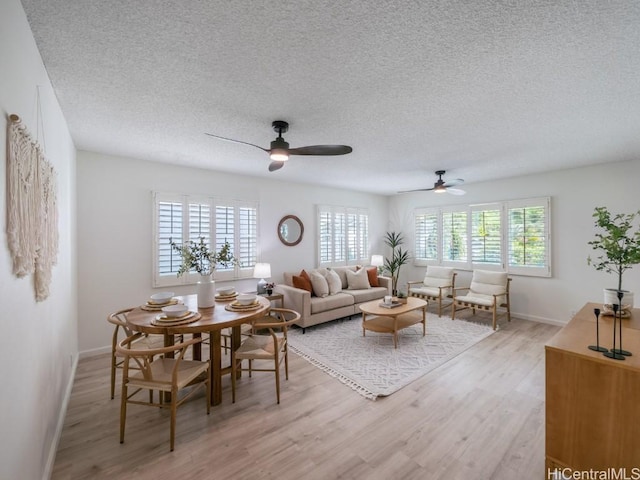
(619, 248)
(269, 287)
(199, 257)
(399, 257)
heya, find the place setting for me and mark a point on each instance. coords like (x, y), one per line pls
(158, 301)
(173, 315)
(243, 303)
(226, 294)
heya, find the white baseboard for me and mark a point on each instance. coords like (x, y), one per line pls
(51, 457)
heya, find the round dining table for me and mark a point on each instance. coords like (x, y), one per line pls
(212, 321)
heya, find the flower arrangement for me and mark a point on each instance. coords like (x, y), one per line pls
(199, 257)
(269, 287)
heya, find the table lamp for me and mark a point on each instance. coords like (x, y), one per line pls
(262, 271)
(377, 261)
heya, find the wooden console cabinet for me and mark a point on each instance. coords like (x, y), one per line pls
(593, 402)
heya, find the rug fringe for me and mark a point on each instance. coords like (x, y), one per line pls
(330, 371)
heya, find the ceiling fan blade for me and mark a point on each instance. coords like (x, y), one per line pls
(417, 190)
(455, 191)
(273, 166)
(236, 141)
(454, 182)
(321, 150)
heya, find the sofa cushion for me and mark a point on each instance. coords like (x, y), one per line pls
(319, 304)
(319, 284)
(485, 282)
(358, 280)
(302, 282)
(372, 274)
(368, 294)
(334, 282)
(342, 273)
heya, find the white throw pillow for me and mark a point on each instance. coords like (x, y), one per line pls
(319, 284)
(334, 282)
(358, 280)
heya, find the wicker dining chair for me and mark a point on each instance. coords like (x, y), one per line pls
(266, 344)
(157, 372)
(121, 330)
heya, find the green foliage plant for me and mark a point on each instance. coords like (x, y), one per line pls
(618, 245)
(199, 257)
(399, 257)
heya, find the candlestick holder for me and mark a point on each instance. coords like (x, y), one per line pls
(620, 351)
(597, 347)
(612, 353)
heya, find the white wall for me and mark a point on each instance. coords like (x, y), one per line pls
(574, 195)
(115, 213)
(39, 340)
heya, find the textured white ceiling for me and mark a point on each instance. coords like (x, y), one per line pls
(482, 89)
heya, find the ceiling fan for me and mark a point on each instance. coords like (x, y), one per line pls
(441, 186)
(280, 151)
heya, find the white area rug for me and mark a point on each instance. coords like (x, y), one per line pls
(370, 365)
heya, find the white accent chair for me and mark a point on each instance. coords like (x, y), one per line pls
(489, 291)
(437, 285)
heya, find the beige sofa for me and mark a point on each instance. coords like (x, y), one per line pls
(316, 309)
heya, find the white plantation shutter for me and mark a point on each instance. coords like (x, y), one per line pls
(339, 238)
(325, 229)
(225, 230)
(352, 237)
(182, 217)
(363, 235)
(343, 236)
(528, 237)
(427, 233)
(454, 236)
(486, 235)
(169, 227)
(247, 254)
(513, 236)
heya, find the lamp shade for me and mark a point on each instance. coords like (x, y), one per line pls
(262, 270)
(377, 260)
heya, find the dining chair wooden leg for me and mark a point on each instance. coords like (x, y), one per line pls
(277, 380)
(113, 374)
(174, 408)
(123, 410)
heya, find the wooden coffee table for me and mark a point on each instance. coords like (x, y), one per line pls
(390, 320)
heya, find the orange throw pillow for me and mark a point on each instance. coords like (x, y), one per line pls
(302, 282)
(372, 273)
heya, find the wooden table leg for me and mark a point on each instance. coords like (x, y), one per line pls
(215, 357)
(236, 340)
(424, 320)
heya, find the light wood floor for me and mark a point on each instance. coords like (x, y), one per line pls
(479, 416)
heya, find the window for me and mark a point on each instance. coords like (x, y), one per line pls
(426, 237)
(486, 235)
(512, 236)
(528, 237)
(183, 217)
(343, 236)
(454, 237)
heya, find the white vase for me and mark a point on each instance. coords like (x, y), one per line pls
(206, 292)
(611, 297)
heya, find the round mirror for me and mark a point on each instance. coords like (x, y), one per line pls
(290, 230)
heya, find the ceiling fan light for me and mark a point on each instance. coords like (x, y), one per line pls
(439, 189)
(279, 155)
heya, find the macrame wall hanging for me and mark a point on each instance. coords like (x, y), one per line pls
(32, 210)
